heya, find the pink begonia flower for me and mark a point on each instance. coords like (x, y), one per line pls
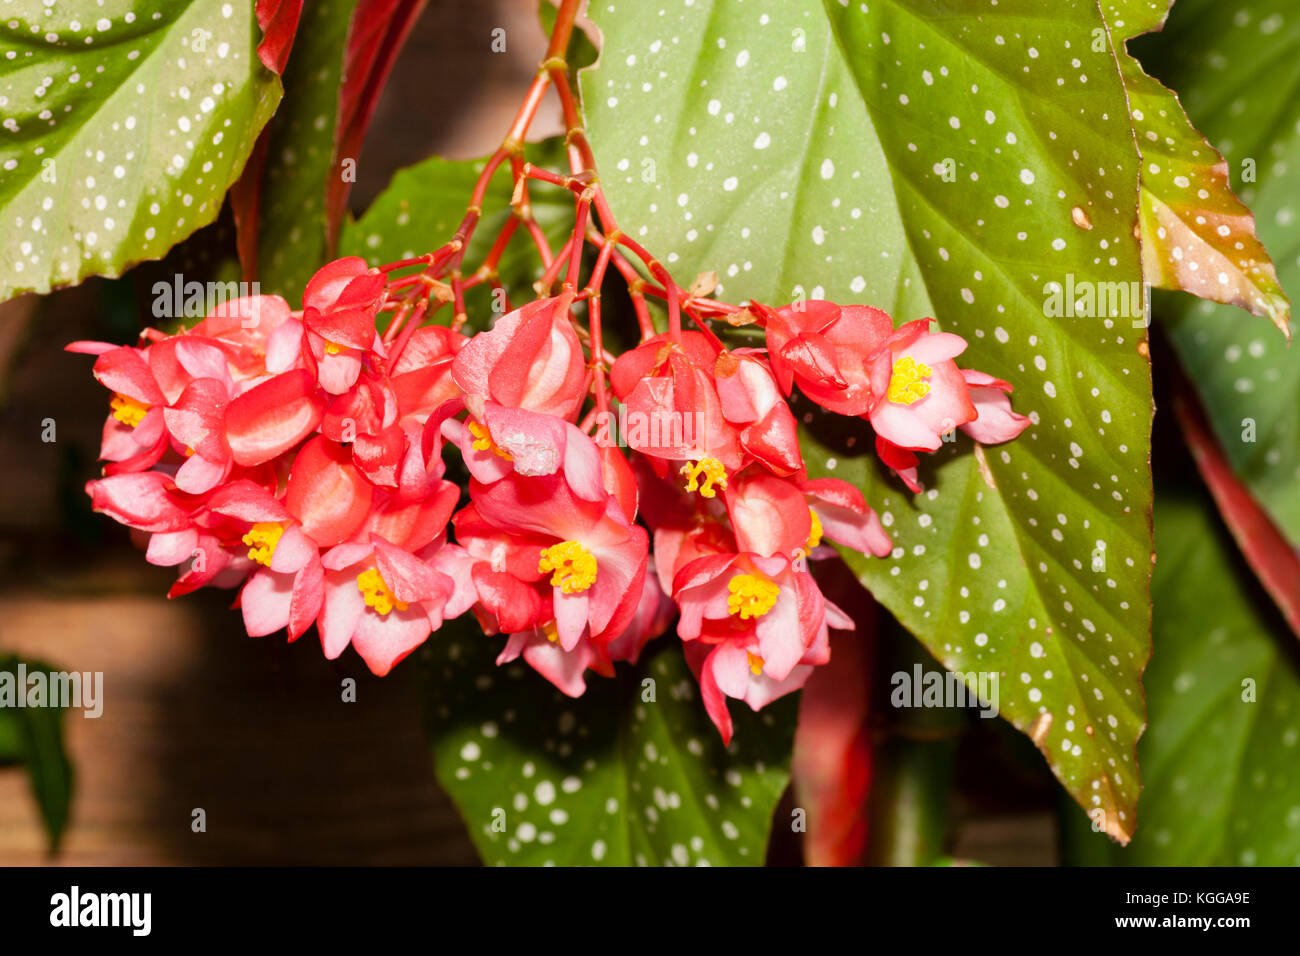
(791, 516)
(825, 348)
(995, 421)
(326, 492)
(382, 600)
(752, 401)
(921, 393)
(595, 557)
(338, 320)
(842, 514)
(753, 626)
(421, 377)
(134, 436)
(531, 358)
(515, 440)
(287, 587)
(674, 413)
(250, 329)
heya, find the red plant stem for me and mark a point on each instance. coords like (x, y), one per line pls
(674, 315)
(522, 209)
(575, 250)
(572, 183)
(602, 264)
(553, 270)
(417, 315)
(634, 286)
(597, 354)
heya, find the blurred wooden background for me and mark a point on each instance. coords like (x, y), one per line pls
(197, 714)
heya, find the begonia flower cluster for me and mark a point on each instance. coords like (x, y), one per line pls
(299, 456)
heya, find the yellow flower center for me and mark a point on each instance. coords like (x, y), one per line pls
(376, 593)
(905, 385)
(331, 348)
(814, 532)
(751, 596)
(755, 664)
(702, 475)
(483, 441)
(573, 565)
(127, 410)
(262, 539)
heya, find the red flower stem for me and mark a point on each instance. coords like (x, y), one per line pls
(572, 183)
(597, 354)
(634, 286)
(488, 269)
(417, 316)
(458, 294)
(553, 270)
(602, 263)
(522, 209)
(575, 247)
(425, 259)
(540, 241)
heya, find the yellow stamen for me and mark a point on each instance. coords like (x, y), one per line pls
(375, 592)
(573, 565)
(712, 472)
(483, 441)
(551, 631)
(905, 385)
(814, 533)
(751, 596)
(332, 349)
(262, 539)
(755, 664)
(127, 410)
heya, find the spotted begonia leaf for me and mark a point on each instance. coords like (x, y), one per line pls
(1238, 69)
(631, 773)
(972, 164)
(1223, 690)
(124, 124)
(1197, 236)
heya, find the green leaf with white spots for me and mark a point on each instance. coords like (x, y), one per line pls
(1197, 236)
(124, 124)
(1220, 768)
(424, 204)
(631, 773)
(934, 163)
(300, 155)
(1237, 68)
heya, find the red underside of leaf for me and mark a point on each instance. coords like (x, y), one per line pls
(279, 22)
(1263, 546)
(831, 766)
